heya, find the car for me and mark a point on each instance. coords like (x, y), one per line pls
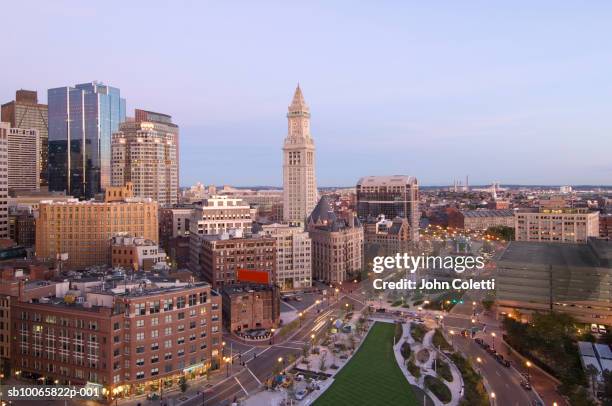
(602, 329)
(301, 394)
(485, 346)
(299, 377)
(479, 341)
(594, 328)
(526, 385)
(505, 363)
(491, 351)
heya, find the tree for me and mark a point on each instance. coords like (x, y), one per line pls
(183, 383)
(591, 373)
(487, 304)
(322, 364)
(607, 388)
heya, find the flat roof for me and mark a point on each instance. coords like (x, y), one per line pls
(603, 351)
(556, 254)
(488, 213)
(386, 180)
(586, 348)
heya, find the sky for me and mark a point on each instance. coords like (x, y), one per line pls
(517, 92)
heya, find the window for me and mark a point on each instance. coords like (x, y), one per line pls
(139, 336)
(140, 362)
(168, 318)
(154, 346)
(192, 300)
(168, 356)
(140, 309)
(180, 302)
(140, 323)
(140, 375)
(154, 321)
(154, 359)
(168, 331)
(154, 333)
(154, 371)
(168, 305)
(139, 350)
(180, 340)
(181, 315)
(168, 344)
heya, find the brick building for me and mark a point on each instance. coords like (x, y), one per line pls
(130, 337)
(250, 306)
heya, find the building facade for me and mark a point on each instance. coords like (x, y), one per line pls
(127, 338)
(480, 219)
(393, 196)
(299, 179)
(556, 225)
(23, 159)
(146, 154)
(386, 237)
(136, 254)
(83, 229)
(219, 258)
(221, 214)
(4, 220)
(250, 306)
(293, 255)
(572, 278)
(82, 120)
(337, 244)
(174, 233)
(26, 113)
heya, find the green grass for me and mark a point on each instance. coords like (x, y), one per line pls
(372, 377)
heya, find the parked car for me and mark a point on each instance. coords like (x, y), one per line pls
(479, 341)
(301, 394)
(526, 385)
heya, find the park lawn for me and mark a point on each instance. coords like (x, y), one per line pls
(372, 376)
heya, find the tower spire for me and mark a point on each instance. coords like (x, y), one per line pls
(298, 102)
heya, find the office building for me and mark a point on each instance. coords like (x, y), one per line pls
(337, 244)
(26, 113)
(220, 214)
(480, 219)
(145, 153)
(605, 225)
(293, 255)
(82, 230)
(299, 179)
(572, 278)
(4, 221)
(174, 223)
(219, 258)
(136, 254)
(386, 237)
(82, 120)
(23, 160)
(22, 226)
(127, 337)
(393, 196)
(250, 306)
(556, 225)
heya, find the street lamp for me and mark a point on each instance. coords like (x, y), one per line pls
(227, 365)
(223, 348)
(493, 335)
(528, 364)
(312, 337)
(493, 397)
(452, 333)
(300, 314)
(272, 330)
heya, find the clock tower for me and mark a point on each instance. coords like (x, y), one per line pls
(299, 181)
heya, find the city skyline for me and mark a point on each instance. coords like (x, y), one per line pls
(451, 86)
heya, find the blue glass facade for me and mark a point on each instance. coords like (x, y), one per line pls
(81, 121)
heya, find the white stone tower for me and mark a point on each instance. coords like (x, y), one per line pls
(299, 181)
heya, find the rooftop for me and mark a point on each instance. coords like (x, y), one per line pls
(488, 213)
(593, 254)
(393, 180)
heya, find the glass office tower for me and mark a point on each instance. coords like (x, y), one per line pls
(81, 121)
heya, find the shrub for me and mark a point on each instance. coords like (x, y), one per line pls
(405, 350)
(440, 342)
(413, 368)
(399, 332)
(417, 331)
(443, 369)
(438, 388)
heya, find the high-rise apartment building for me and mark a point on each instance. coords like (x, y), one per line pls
(146, 154)
(337, 243)
(221, 214)
(299, 180)
(4, 220)
(393, 196)
(82, 120)
(26, 113)
(293, 255)
(127, 337)
(83, 229)
(23, 159)
(562, 225)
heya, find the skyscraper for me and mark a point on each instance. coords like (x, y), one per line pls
(23, 159)
(146, 153)
(25, 112)
(299, 180)
(4, 224)
(81, 122)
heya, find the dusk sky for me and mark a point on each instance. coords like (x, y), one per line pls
(517, 92)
